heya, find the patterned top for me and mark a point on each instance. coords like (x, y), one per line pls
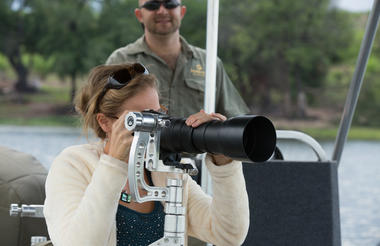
(139, 229)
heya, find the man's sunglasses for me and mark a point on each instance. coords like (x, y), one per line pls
(154, 5)
(120, 79)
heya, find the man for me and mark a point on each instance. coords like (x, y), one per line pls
(178, 66)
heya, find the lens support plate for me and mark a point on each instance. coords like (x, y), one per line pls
(144, 154)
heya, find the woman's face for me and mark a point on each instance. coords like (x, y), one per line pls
(146, 99)
(119, 137)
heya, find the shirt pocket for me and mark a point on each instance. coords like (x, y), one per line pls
(194, 93)
(195, 84)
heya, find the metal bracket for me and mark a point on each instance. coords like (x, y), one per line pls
(35, 211)
(144, 153)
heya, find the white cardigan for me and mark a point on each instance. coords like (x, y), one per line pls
(83, 189)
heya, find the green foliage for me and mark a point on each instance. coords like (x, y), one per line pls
(38, 64)
(336, 87)
(273, 50)
(70, 26)
(362, 133)
(194, 24)
(116, 26)
(367, 112)
(52, 120)
(49, 94)
(50, 99)
(340, 76)
(4, 64)
(283, 46)
(19, 34)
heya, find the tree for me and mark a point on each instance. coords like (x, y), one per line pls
(280, 49)
(117, 26)
(82, 34)
(19, 34)
(70, 26)
(367, 112)
(193, 26)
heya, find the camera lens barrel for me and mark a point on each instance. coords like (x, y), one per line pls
(246, 138)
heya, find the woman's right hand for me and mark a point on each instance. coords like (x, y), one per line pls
(120, 139)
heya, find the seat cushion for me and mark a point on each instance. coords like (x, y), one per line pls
(22, 181)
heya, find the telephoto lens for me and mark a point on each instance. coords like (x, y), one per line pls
(248, 138)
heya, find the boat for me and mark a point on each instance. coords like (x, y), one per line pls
(291, 202)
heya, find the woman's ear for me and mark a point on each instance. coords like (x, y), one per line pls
(104, 122)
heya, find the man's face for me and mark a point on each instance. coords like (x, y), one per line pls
(162, 21)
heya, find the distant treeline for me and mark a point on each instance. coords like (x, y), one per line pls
(283, 56)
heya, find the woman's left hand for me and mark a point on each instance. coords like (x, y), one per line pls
(201, 117)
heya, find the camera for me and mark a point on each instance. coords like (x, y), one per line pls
(158, 142)
(247, 138)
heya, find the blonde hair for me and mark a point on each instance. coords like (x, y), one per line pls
(86, 101)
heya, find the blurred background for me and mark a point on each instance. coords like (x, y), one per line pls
(291, 60)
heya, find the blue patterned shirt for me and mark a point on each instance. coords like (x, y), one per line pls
(139, 229)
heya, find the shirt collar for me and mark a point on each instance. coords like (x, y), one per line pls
(140, 46)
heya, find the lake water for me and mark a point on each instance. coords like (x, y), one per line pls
(359, 173)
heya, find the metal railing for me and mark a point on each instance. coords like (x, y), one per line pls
(357, 81)
(302, 137)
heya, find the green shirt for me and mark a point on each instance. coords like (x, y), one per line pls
(182, 90)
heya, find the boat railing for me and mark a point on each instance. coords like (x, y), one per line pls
(304, 138)
(357, 81)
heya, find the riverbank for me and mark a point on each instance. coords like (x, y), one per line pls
(317, 132)
(49, 107)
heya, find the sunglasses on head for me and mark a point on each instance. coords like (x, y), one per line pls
(154, 5)
(120, 79)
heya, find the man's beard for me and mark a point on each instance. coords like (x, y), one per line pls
(155, 29)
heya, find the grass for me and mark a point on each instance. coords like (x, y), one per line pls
(355, 133)
(49, 107)
(53, 120)
(31, 112)
(49, 94)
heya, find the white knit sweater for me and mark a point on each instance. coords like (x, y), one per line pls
(83, 189)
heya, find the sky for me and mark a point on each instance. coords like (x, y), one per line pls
(355, 5)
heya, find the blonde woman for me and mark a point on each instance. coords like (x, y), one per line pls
(85, 182)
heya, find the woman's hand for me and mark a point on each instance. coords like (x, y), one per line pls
(201, 117)
(120, 139)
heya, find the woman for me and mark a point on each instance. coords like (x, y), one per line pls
(84, 184)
